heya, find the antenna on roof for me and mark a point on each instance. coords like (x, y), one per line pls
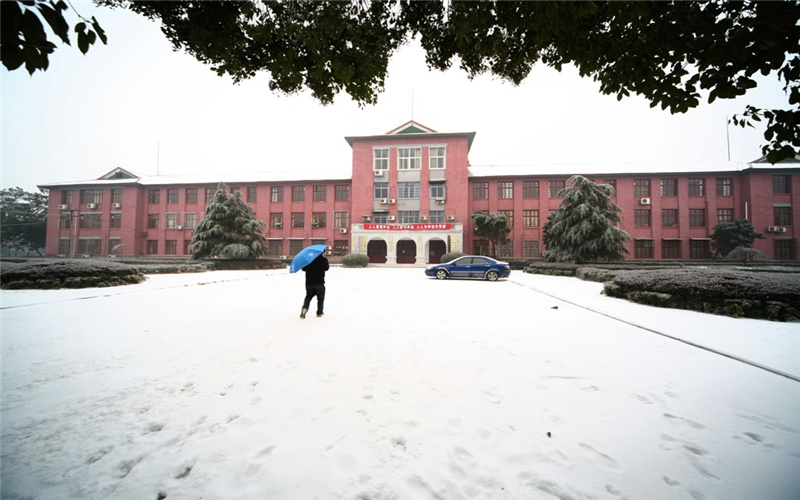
(158, 156)
(412, 105)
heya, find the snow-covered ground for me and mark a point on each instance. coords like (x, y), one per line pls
(210, 386)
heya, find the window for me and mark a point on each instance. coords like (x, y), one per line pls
(697, 187)
(782, 216)
(153, 196)
(505, 190)
(669, 217)
(784, 249)
(320, 192)
(380, 217)
(505, 250)
(699, 249)
(191, 196)
(152, 221)
(408, 158)
(436, 217)
(252, 194)
(781, 184)
(530, 218)
(89, 246)
(509, 217)
(172, 196)
(171, 221)
(643, 249)
(186, 245)
(66, 197)
(319, 219)
(554, 188)
(90, 221)
(641, 188)
(190, 220)
(697, 217)
(408, 216)
(274, 247)
(381, 190)
(63, 246)
(297, 219)
(480, 190)
(408, 189)
(116, 220)
(342, 192)
(341, 219)
(480, 247)
(91, 196)
(152, 247)
(641, 218)
(530, 189)
(171, 247)
(437, 190)
(341, 247)
(116, 196)
(436, 157)
(210, 192)
(669, 187)
(380, 159)
(276, 194)
(724, 215)
(612, 183)
(276, 220)
(670, 249)
(298, 193)
(530, 249)
(64, 221)
(725, 187)
(113, 245)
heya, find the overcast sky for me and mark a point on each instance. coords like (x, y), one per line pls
(139, 105)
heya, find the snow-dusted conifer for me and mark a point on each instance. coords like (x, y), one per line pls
(229, 229)
(583, 229)
(491, 226)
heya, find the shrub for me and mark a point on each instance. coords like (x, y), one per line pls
(53, 274)
(595, 274)
(452, 256)
(355, 260)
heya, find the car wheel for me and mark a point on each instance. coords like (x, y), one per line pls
(441, 274)
(492, 276)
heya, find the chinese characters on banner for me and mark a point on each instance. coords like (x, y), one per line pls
(407, 227)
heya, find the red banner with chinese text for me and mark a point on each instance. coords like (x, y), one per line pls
(407, 227)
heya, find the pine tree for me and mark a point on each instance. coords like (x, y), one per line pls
(493, 227)
(727, 236)
(229, 228)
(583, 229)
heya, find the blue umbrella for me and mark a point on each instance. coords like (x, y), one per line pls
(305, 257)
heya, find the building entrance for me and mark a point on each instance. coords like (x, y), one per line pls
(376, 251)
(406, 252)
(436, 248)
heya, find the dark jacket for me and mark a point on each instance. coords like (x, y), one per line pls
(315, 272)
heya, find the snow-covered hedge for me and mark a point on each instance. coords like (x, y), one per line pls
(355, 260)
(763, 295)
(53, 274)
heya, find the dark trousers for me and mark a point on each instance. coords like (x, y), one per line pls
(311, 291)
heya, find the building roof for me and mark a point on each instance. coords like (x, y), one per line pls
(412, 129)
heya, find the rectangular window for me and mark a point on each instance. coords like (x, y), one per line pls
(641, 218)
(298, 219)
(172, 196)
(436, 157)
(509, 217)
(530, 249)
(480, 247)
(436, 217)
(380, 159)
(319, 219)
(171, 221)
(63, 246)
(612, 183)
(276, 194)
(252, 194)
(152, 247)
(64, 221)
(506, 250)
(66, 197)
(554, 188)
(91, 196)
(725, 187)
(276, 220)
(697, 187)
(210, 192)
(116, 220)
(275, 247)
(724, 215)
(114, 246)
(191, 196)
(782, 216)
(670, 249)
(781, 184)
(697, 217)
(641, 188)
(152, 221)
(341, 219)
(408, 158)
(643, 249)
(530, 218)
(669, 187)
(784, 250)
(342, 192)
(298, 193)
(669, 217)
(505, 190)
(320, 192)
(153, 196)
(189, 220)
(480, 190)
(408, 190)
(381, 190)
(89, 246)
(116, 196)
(408, 216)
(437, 190)
(91, 221)
(171, 247)
(699, 249)
(530, 189)
(341, 247)
(186, 245)
(380, 217)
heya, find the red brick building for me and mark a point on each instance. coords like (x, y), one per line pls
(410, 197)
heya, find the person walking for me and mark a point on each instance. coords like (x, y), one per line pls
(315, 285)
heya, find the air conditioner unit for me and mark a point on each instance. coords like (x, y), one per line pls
(384, 201)
(279, 224)
(180, 227)
(451, 217)
(392, 201)
(772, 229)
(116, 205)
(780, 229)
(390, 218)
(63, 207)
(440, 201)
(644, 201)
(343, 230)
(91, 205)
(423, 218)
(366, 218)
(378, 173)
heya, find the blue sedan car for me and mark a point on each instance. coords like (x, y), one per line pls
(470, 266)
